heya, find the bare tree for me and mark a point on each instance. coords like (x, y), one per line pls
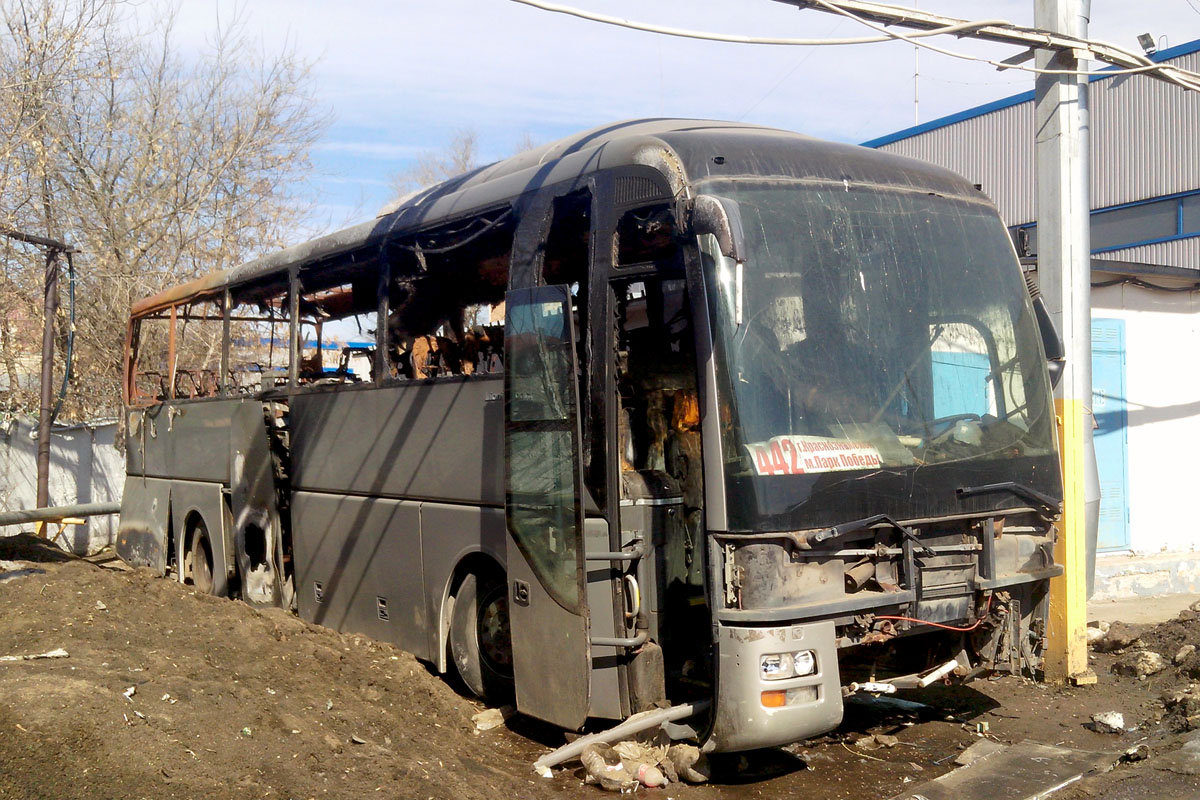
(461, 154)
(157, 167)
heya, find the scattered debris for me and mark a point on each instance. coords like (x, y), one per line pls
(1108, 722)
(1141, 664)
(247, 732)
(491, 718)
(356, 739)
(689, 763)
(56, 653)
(1183, 653)
(604, 768)
(876, 741)
(1135, 754)
(1096, 630)
(100, 606)
(1120, 636)
(652, 763)
(129, 693)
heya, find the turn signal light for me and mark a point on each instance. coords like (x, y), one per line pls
(774, 699)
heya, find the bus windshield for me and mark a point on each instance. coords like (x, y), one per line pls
(876, 351)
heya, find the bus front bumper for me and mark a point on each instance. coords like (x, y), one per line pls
(753, 710)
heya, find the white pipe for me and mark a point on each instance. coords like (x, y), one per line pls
(635, 724)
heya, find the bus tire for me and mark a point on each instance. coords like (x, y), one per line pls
(480, 643)
(198, 563)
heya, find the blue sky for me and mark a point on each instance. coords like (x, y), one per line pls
(399, 78)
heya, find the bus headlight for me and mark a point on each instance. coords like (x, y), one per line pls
(777, 666)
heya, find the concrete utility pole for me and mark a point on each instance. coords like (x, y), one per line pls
(1064, 277)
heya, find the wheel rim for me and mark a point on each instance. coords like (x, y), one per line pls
(495, 639)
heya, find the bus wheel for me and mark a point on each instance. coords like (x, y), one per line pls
(198, 563)
(480, 642)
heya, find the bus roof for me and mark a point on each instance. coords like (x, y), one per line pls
(685, 151)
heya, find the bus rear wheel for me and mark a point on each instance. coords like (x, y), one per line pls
(480, 641)
(198, 563)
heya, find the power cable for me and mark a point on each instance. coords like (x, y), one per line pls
(684, 33)
(1180, 77)
(1189, 80)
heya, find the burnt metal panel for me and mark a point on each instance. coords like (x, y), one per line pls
(142, 535)
(176, 440)
(252, 495)
(436, 440)
(352, 551)
(146, 442)
(194, 433)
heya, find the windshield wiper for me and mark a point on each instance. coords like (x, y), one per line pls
(838, 531)
(1047, 503)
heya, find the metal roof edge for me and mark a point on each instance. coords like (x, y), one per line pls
(1187, 48)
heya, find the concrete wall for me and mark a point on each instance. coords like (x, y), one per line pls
(1163, 400)
(85, 467)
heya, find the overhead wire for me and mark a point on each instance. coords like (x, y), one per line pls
(684, 33)
(1180, 77)
(1189, 80)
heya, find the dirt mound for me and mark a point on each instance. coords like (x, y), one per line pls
(226, 701)
(1161, 659)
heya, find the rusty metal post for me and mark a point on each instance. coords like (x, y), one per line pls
(50, 311)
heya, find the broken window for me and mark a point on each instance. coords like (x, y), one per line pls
(646, 234)
(258, 337)
(150, 363)
(446, 299)
(198, 332)
(338, 325)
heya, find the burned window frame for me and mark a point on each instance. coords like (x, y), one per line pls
(175, 315)
(257, 292)
(435, 278)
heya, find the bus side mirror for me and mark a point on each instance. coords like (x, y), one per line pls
(722, 218)
(1056, 356)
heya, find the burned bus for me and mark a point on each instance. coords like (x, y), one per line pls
(672, 414)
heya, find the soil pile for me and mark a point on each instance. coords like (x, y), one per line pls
(167, 694)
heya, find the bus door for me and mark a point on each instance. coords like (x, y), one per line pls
(543, 509)
(660, 485)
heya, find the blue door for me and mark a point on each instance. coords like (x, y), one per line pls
(1109, 408)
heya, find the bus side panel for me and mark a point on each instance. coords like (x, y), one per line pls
(441, 440)
(450, 533)
(177, 440)
(197, 438)
(142, 535)
(358, 567)
(146, 442)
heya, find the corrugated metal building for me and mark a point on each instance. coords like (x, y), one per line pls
(1145, 234)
